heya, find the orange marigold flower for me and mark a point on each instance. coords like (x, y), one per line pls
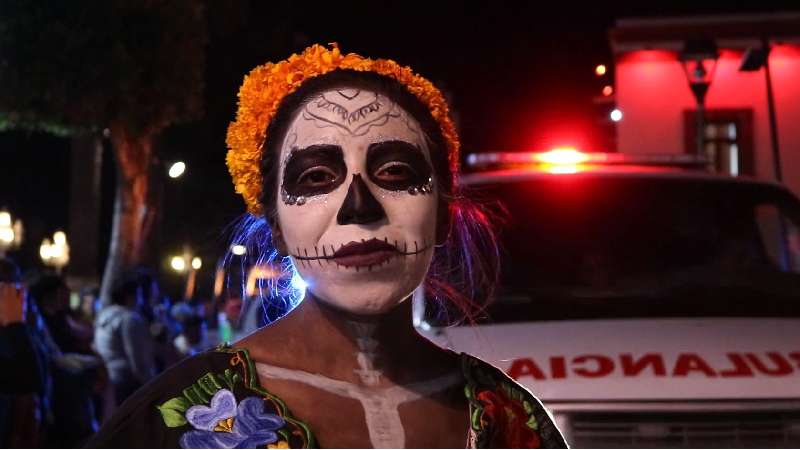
(265, 87)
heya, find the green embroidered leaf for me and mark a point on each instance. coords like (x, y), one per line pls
(172, 411)
(208, 383)
(476, 419)
(531, 423)
(196, 395)
(468, 392)
(180, 404)
(527, 406)
(172, 418)
(228, 377)
(284, 434)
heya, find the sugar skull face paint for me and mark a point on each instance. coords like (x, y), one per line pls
(357, 210)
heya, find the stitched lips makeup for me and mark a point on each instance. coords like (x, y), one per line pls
(367, 253)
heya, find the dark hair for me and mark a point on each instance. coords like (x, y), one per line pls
(44, 286)
(9, 271)
(465, 269)
(125, 288)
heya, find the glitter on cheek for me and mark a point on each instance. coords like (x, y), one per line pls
(386, 193)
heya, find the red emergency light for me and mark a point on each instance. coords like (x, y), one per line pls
(571, 158)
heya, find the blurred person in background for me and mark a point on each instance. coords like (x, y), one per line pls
(243, 317)
(88, 307)
(155, 310)
(78, 374)
(53, 298)
(22, 381)
(193, 336)
(122, 338)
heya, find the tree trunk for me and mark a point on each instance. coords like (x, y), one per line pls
(134, 206)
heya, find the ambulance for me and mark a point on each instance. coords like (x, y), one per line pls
(644, 300)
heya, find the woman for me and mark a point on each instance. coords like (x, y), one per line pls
(351, 164)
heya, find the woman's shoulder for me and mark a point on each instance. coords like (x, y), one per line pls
(503, 413)
(212, 400)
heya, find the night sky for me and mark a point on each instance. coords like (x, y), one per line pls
(519, 76)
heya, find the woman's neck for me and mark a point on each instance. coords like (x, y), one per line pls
(369, 350)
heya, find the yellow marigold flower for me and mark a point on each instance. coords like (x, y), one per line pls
(265, 87)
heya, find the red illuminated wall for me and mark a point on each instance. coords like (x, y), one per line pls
(652, 93)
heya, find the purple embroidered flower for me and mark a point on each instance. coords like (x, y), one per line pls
(224, 425)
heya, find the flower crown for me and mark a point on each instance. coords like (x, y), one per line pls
(265, 87)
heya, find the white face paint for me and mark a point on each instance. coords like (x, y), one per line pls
(357, 209)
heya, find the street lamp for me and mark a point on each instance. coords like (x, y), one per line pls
(186, 263)
(699, 59)
(177, 169)
(55, 253)
(10, 233)
(753, 60)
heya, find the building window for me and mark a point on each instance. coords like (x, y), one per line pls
(728, 139)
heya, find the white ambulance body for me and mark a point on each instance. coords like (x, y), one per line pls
(646, 306)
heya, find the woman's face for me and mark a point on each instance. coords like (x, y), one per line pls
(357, 204)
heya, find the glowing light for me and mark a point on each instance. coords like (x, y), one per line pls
(600, 70)
(7, 235)
(219, 282)
(561, 156)
(562, 168)
(177, 169)
(5, 219)
(259, 272)
(608, 90)
(616, 115)
(59, 238)
(197, 263)
(299, 284)
(45, 250)
(177, 263)
(238, 250)
(55, 253)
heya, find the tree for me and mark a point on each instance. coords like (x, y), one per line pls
(129, 67)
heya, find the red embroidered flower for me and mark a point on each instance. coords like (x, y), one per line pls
(510, 424)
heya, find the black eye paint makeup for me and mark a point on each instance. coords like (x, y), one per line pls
(317, 169)
(399, 166)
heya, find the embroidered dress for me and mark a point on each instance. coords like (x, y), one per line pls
(214, 400)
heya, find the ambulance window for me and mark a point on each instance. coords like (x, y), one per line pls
(780, 236)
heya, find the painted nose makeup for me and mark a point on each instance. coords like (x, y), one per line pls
(359, 206)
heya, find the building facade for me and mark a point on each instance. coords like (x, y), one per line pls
(653, 93)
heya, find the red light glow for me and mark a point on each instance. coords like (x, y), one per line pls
(600, 70)
(608, 90)
(562, 169)
(640, 56)
(561, 156)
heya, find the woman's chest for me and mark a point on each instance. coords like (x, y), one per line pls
(363, 417)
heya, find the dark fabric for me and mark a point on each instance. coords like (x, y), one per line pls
(62, 333)
(21, 382)
(74, 418)
(21, 372)
(138, 423)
